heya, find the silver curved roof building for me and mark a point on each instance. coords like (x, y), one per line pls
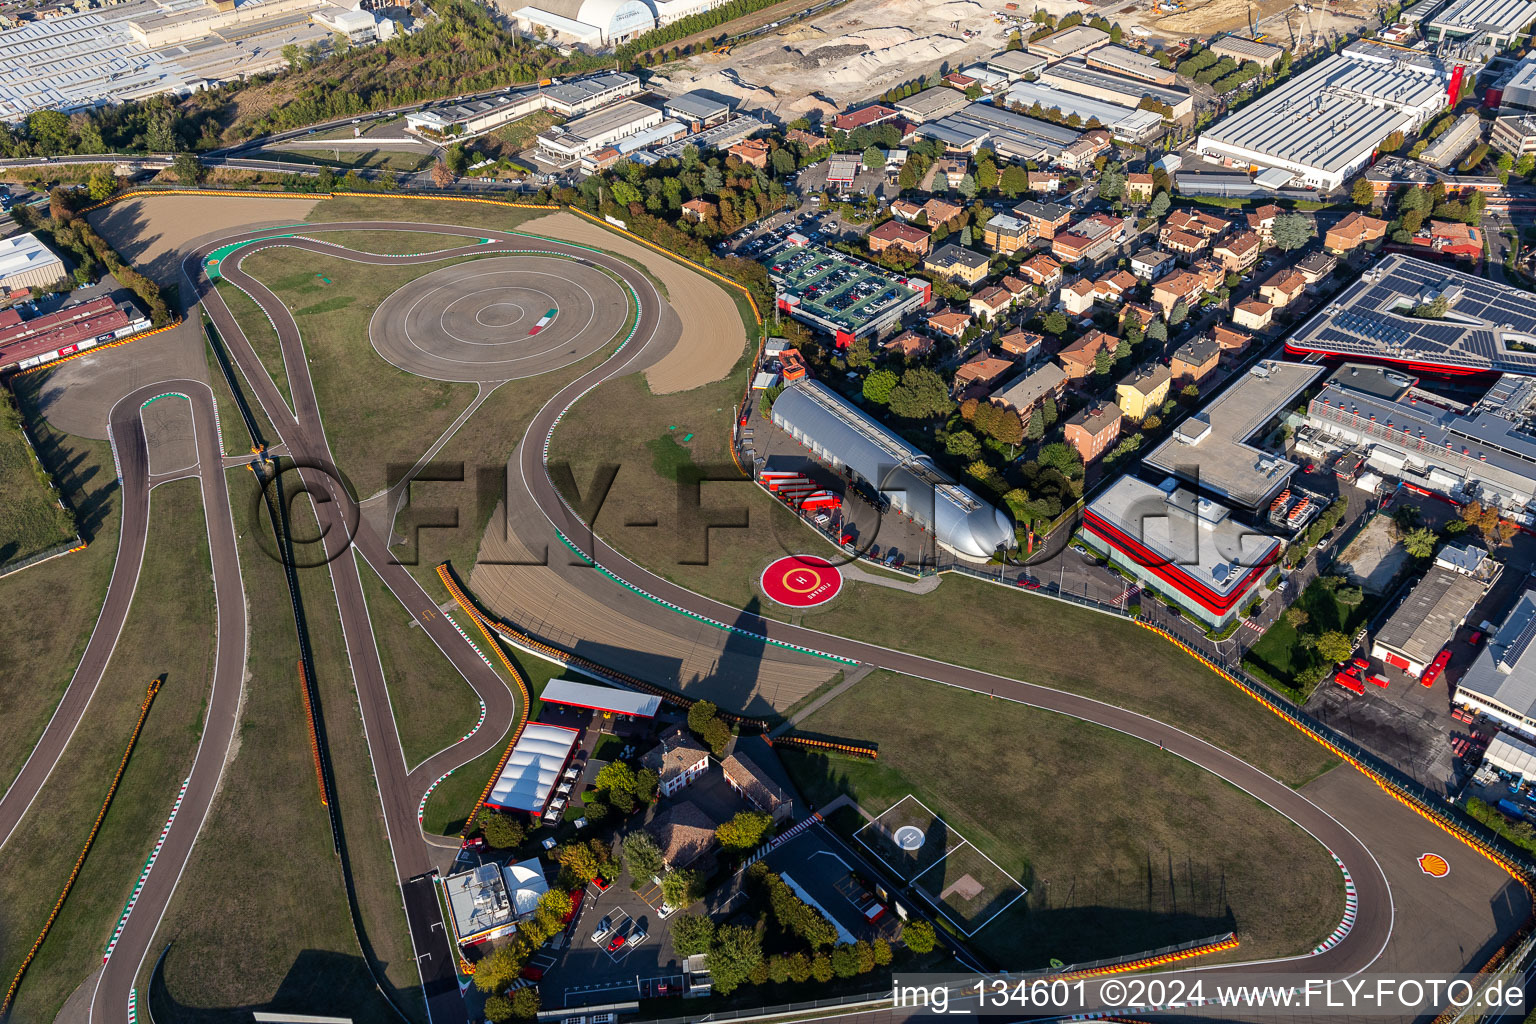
(841, 435)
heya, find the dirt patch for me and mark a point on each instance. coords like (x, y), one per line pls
(152, 232)
(713, 336)
(1374, 557)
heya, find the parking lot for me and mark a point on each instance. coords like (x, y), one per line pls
(595, 967)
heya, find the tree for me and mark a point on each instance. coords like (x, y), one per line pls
(706, 723)
(681, 888)
(821, 968)
(495, 972)
(745, 831)
(1014, 181)
(922, 394)
(500, 831)
(1056, 323)
(498, 1009)
(878, 386)
(1103, 362)
(1179, 313)
(1292, 230)
(642, 855)
(1334, 647)
(1362, 193)
(615, 776)
(187, 168)
(882, 951)
(987, 176)
(963, 445)
(967, 187)
(580, 861)
(1420, 542)
(1159, 206)
(783, 162)
(736, 953)
(102, 185)
(918, 936)
(1157, 331)
(525, 1003)
(1111, 184)
(1036, 429)
(442, 177)
(692, 933)
(873, 157)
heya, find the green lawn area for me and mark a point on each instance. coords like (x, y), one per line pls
(295, 950)
(375, 415)
(42, 651)
(422, 211)
(433, 704)
(395, 242)
(1123, 847)
(33, 521)
(170, 638)
(260, 333)
(1280, 654)
(452, 801)
(517, 136)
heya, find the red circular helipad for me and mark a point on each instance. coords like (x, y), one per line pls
(802, 581)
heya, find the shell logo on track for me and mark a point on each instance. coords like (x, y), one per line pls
(1434, 865)
(801, 581)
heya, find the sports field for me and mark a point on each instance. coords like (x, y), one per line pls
(1122, 847)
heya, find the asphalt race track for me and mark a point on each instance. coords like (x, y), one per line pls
(480, 323)
(400, 788)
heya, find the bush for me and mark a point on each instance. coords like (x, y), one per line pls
(501, 832)
(918, 936)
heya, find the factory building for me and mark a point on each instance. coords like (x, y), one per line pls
(1068, 42)
(1122, 61)
(1484, 452)
(1502, 680)
(568, 99)
(597, 24)
(1458, 138)
(1242, 49)
(1436, 607)
(1496, 22)
(25, 262)
(841, 435)
(1325, 124)
(1077, 76)
(1010, 135)
(1185, 548)
(1125, 123)
(569, 142)
(1520, 90)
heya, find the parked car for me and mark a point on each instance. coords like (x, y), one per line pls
(603, 928)
(475, 843)
(1475, 639)
(616, 943)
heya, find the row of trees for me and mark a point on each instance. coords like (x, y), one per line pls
(75, 235)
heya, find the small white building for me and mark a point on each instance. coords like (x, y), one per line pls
(602, 128)
(25, 262)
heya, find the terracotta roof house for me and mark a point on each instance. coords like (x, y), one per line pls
(1138, 187)
(1262, 222)
(875, 113)
(1454, 237)
(980, 372)
(752, 152)
(1089, 238)
(752, 780)
(1283, 288)
(1354, 231)
(936, 210)
(698, 210)
(958, 265)
(1230, 338)
(810, 140)
(910, 344)
(683, 832)
(1017, 289)
(1184, 286)
(677, 759)
(990, 302)
(1077, 358)
(1239, 252)
(1093, 429)
(1143, 315)
(951, 170)
(1021, 343)
(1085, 150)
(951, 324)
(900, 235)
(1253, 314)
(1042, 270)
(1184, 243)
(1048, 182)
(1212, 274)
(1113, 288)
(1197, 222)
(1077, 297)
(1194, 360)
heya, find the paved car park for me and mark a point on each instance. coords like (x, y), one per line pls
(592, 969)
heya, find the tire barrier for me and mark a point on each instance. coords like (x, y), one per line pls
(853, 747)
(138, 886)
(314, 733)
(149, 699)
(1221, 945)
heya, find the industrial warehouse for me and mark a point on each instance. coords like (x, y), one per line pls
(843, 296)
(1486, 452)
(1010, 135)
(568, 99)
(1435, 609)
(1127, 123)
(842, 436)
(1184, 547)
(1486, 326)
(1502, 681)
(1326, 123)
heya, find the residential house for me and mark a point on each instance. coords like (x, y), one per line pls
(684, 834)
(1143, 391)
(1021, 344)
(1077, 297)
(900, 235)
(1354, 231)
(1212, 274)
(950, 170)
(1143, 315)
(1230, 338)
(810, 140)
(1239, 252)
(1195, 360)
(677, 759)
(1093, 429)
(1082, 153)
(1262, 222)
(935, 211)
(1138, 187)
(1283, 288)
(752, 152)
(1042, 270)
(1113, 289)
(991, 302)
(746, 767)
(1045, 218)
(1184, 286)
(1024, 392)
(910, 345)
(957, 265)
(1077, 358)
(1198, 222)
(951, 324)
(1150, 264)
(1091, 238)
(875, 113)
(955, 80)
(1454, 238)
(1006, 233)
(979, 373)
(698, 210)
(1253, 314)
(1316, 266)
(1184, 243)
(1044, 182)
(1018, 290)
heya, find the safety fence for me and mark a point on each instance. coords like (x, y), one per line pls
(68, 547)
(314, 733)
(1158, 958)
(149, 699)
(853, 747)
